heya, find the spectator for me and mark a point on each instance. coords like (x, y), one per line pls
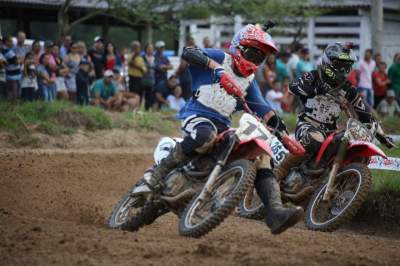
(29, 83)
(118, 80)
(380, 82)
(48, 47)
(111, 58)
(65, 45)
(149, 78)
(175, 101)
(103, 90)
(275, 96)
(304, 65)
(83, 82)
(282, 71)
(365, 69)
(36, 51)
(207, 42)
(20, 48)
(13, 69)
(394, 75)
(162, 64)
(388, 106)
(377, 59)
(46, 79)
(3, 62)
(136, 71)
(352, 78)
(96, 56)
(288, 98)
(183, 73)
(269, 74)
(294, 59)
(163, 89)
(61, 71)
(72, 60)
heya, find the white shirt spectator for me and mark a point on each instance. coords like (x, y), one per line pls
(274, 99)
(366, 70)
(292, 65)
(175, 103)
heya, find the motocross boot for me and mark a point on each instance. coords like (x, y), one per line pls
(291, 160)
(278, 218)
(154, 178)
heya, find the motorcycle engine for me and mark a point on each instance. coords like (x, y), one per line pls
(294, 182)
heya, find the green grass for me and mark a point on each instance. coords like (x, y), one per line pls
(65, 118)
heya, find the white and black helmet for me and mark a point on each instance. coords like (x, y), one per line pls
(337, 61)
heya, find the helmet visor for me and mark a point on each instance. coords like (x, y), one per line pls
(253, 55)
(342, 65)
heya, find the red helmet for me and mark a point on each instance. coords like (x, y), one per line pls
(250, 46)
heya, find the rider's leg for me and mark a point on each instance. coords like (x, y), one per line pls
(278, 218)
(311, 138)
(199, 137)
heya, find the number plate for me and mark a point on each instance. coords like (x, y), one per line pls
(278, 151)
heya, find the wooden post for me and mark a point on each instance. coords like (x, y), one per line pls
(377, 25)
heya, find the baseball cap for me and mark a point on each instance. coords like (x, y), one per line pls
(390, 93)
(98, 39)
(108, 73)
(160, 44)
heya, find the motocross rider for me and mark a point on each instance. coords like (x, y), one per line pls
(218, 79)
(325, 92)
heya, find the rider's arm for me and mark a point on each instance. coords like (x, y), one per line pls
(362, 110)
(304, 86)
(206, 59)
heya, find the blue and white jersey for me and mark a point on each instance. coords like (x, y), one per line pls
(211, 101)
(13, 69)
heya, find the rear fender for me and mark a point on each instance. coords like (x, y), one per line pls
(362, 149)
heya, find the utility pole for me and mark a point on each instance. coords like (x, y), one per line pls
(377, 25)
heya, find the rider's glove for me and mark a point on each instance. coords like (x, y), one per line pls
(277, 124)
(227, 82)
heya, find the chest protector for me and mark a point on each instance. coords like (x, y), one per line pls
(323, 109)
(216, 98)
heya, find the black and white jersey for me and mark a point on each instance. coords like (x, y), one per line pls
(322, 103)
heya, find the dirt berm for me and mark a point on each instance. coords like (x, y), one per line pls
(54, 203)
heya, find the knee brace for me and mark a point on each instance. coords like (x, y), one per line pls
(200, 139)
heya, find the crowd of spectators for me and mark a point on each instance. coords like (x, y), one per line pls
(125, 80)
(101, 76)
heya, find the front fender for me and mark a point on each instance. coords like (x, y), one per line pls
(251, 149)
(363, 149)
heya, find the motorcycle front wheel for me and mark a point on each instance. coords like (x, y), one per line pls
(353, 183)
(203, 215)
(133, 212)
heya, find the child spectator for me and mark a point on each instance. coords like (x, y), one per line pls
(165, 88)
(380, 83)
(46, 79)
(176, 101)
(103, 90)
(304, 65)
(82, 83)
(275, 96)
(29, 83)
(389, 105)
(288, 98)
(118, 80)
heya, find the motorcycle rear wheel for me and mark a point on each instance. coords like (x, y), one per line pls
(200, 217)
(133, 212)
(250, 206)
(322, 216)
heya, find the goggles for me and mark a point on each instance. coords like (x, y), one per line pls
(253, 55)
(342, 65)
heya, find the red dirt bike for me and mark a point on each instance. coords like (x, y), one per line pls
(336, 193)
(204, 191)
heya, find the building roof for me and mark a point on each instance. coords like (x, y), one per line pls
(74, 3)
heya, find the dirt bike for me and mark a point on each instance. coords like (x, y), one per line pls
(336, 198)
(204, 191)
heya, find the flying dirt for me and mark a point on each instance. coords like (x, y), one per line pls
(54, 205)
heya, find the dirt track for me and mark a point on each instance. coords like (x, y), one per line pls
(53, 206)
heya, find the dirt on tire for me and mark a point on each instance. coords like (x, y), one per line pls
(54, 205)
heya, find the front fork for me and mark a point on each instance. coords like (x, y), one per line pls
(221, 161)
(330, 187)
